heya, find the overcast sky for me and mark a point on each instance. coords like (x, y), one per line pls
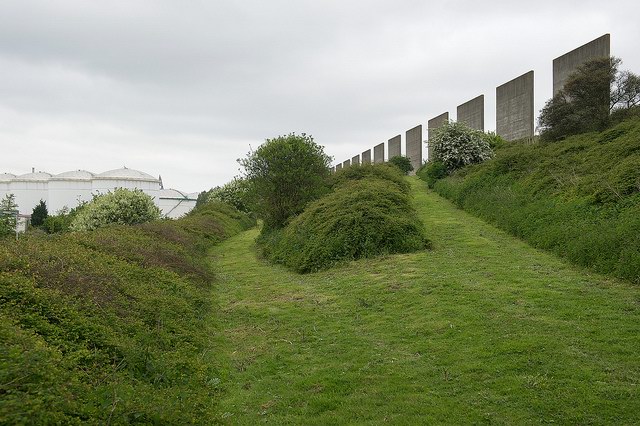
(184, 88)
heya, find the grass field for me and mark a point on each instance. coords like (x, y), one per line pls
(481, 329)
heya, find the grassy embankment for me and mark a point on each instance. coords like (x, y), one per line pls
(112, 326)
(579, 198)
(483, 328)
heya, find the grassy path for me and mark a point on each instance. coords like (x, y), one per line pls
(482, 329)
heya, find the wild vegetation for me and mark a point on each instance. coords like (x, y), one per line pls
(368, 213)
(112, 326)
(579, 198)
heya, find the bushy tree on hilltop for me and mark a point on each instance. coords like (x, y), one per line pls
(402, 163)
(455, 145)
(592, 92)
(122, 206)
(284, 174)
(234, 193)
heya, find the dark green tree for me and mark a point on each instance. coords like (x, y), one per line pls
(585, 103)
(402, 163)
(8, 211)
(39, 214)
(284, 174)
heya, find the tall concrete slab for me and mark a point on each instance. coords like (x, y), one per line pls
(338, 167)
(355, 161)
(332, 170)
(514, 108)
(346, 163)
(413, 141)
(564, 65)
(471, 113)
(394, 146)
(366, 157)
(432, 125)
(378, 153)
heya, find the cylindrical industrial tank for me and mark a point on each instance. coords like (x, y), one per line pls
(69, 189)
(126, 178)
(29, 189)
(174, 203)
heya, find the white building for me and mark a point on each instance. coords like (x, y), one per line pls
(69, 189)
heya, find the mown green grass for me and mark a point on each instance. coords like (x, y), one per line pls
(579, 198)
(481, 329)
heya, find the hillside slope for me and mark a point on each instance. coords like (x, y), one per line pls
(111, 326)
(579, 198)
(481, 329)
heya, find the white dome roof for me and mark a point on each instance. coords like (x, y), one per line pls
(171, 193)
(126, 174)
(74, 175)
(34, 176)
(6, 177)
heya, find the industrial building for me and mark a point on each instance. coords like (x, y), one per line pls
(69, 189)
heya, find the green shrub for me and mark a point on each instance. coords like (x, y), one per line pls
(431, 172)
(366, 171)
(122, 206)
(360, 218)
(113, 325)
(235, 193)
(402, 163)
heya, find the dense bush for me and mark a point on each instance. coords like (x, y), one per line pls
(361, 218)
(284, 174)
(235, 193)
(122, 206)
(364, 171)
(431, 172)
(402, 163)
(112, 326)
(579, 198)
(455, 145)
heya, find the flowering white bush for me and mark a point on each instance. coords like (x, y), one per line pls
(456, 146)
(122, 206)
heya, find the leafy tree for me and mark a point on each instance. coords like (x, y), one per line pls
(39, 214)
(8, 209)
(402, 163)
(455, 145)
(284, 174)
(591, 94)
(122, 206)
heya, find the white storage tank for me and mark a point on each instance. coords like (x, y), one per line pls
(69, 189)
(126, 178)
(175, 204)
(29, 189)
(5, 180)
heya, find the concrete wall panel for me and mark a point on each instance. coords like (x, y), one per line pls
(338, 167)
(514, 108)
(432, 125)
(378, 153)
(471, 113)
(366, 157)
(346, 163)
(394, 146)
(355, 161)
(564, 65)
(413, 140)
